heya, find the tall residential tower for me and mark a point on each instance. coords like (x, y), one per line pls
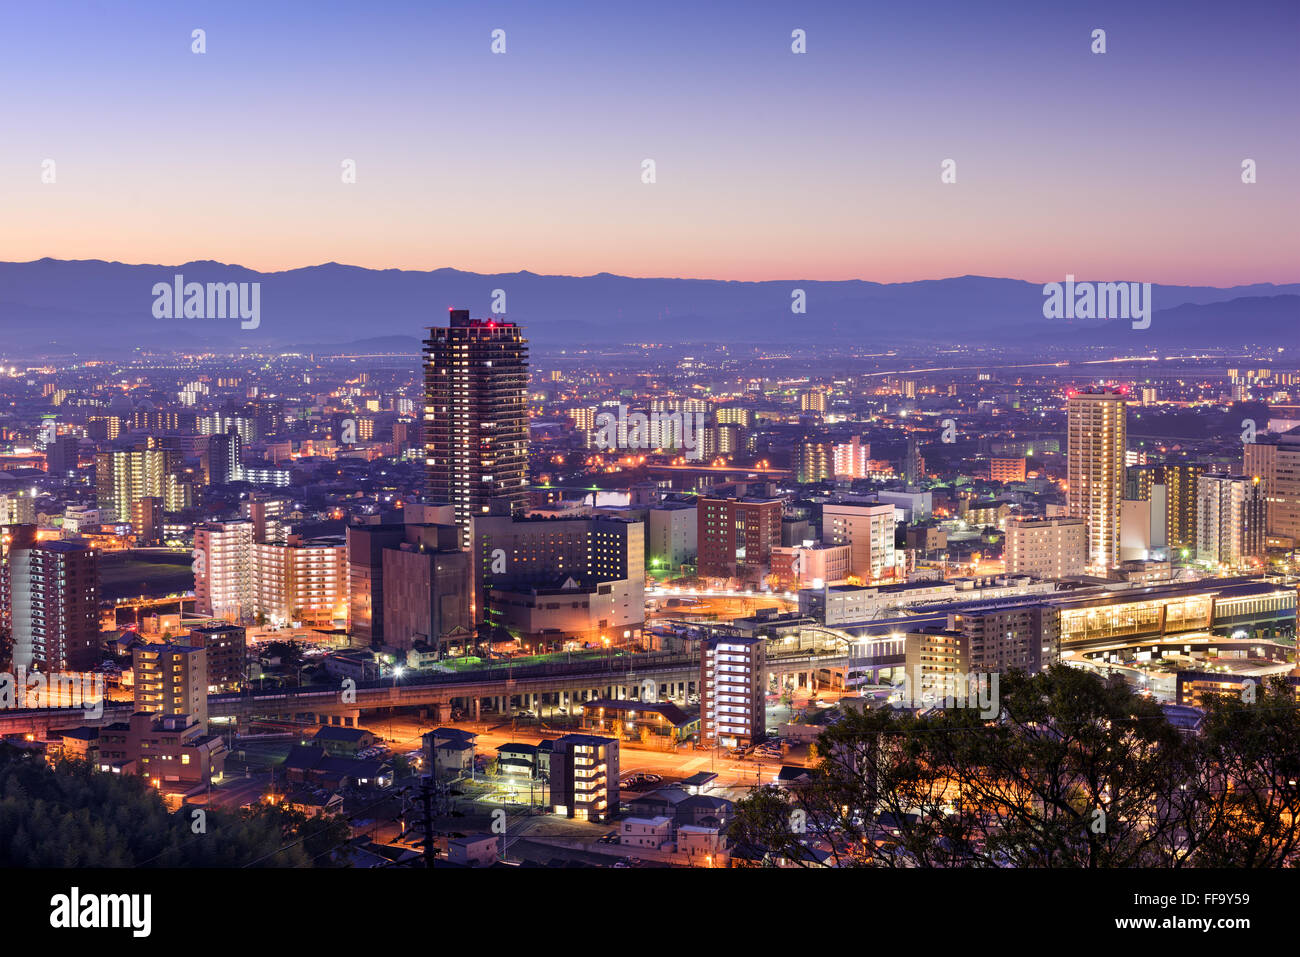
(1097, 436)
(476, 415)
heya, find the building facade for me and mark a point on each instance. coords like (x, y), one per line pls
(1275, 459)
(476, 415)
(1231, 518)
(584, 777)
(224, 585)
(733, 680)
(1096, 422)
(868, 530)
(49, 592)
(1050, 548)
(736, 536)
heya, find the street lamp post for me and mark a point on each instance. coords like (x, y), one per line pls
(397, 673)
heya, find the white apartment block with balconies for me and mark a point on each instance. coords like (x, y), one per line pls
(733, 709)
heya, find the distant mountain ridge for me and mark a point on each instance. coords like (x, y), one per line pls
(95, 307)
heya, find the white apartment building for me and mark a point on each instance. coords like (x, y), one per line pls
(301, 581)
(236, 577)
(1049, 548)
(670, 536)
(1230, 519)
(733, 709)
(223, 570)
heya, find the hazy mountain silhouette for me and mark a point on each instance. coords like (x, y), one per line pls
(90, 306)
(1250, 320)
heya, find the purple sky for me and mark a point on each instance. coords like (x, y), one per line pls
(769, 165)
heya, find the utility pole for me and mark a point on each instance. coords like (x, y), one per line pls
(426, 798)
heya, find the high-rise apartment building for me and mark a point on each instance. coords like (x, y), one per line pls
(268, 513)
(735, 415)
(721, 439)
(147, 520)
(49, 596)
(123, 477)
(813, 401)
(301, 580)
(1023, 636)
(221, 459)
(18, 508)
(223, 570)
(1007, 470)
(1181, 496)
(476, 415)
(221, 423)
(61, 455)
(733, 706)
(1097, 436)
(1171, 488)
(171, 679)
(295, 580)
(1276, 460)
(1050, 548)
(851, 458)
(913, 463)
(1231, 519)
(814, 461)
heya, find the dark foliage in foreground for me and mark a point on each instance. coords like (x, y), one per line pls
(74, 816)
(1076, 771)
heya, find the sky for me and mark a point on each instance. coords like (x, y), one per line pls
(768, 164)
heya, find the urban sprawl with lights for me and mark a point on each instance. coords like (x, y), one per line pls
(483, 607)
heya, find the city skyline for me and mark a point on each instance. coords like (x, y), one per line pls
(597, 438)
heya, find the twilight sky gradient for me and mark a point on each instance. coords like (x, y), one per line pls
(770, 165)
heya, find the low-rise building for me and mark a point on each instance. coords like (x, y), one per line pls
(518, 759)
(173, 751)
(340, 741)
(584, 777)
(316, 766)
(702, 846)
(651, 832)
(449, 752)
(658, 725)
(474, 850)
(359, 664)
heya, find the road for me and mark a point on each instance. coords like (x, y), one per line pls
(736, 776)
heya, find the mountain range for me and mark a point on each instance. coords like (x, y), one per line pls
(91, 307)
